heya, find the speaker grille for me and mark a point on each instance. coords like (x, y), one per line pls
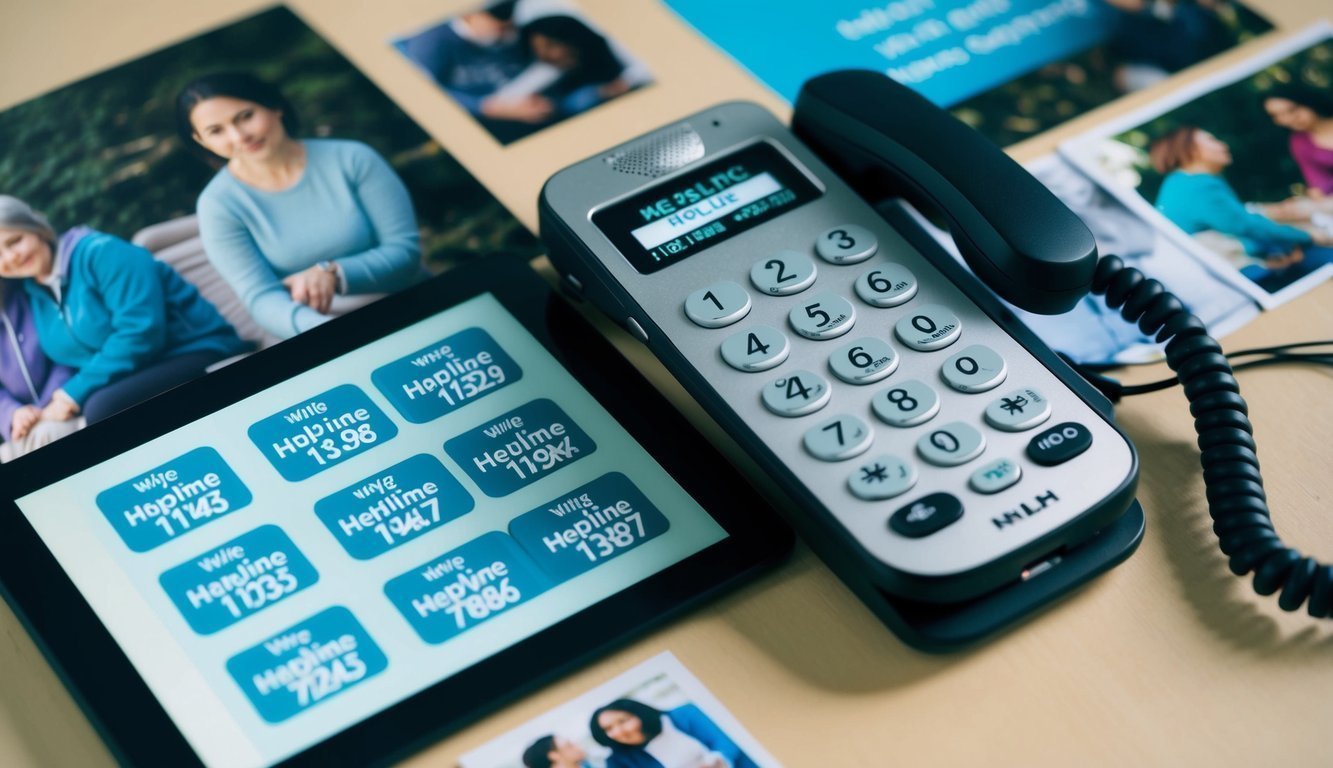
(660, 153)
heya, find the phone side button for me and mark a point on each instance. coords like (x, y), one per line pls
(636, 330)
(926, 515)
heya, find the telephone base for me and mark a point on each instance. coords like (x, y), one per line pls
(941, 628)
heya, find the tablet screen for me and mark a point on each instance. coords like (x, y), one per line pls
(304, 558)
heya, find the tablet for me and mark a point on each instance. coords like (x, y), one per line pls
(340, 548)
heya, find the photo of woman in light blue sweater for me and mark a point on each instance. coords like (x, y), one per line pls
(291, 223)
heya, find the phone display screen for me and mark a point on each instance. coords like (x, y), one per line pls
(677, 218)
(307, 557)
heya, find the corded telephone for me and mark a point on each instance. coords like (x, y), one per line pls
(950, 468)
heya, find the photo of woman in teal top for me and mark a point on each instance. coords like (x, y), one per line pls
(1196, 198)
(290, 223)
(129, 325)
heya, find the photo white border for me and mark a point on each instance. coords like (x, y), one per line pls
(507, 747)
(1082, 152)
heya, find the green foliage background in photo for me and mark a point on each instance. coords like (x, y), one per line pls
(104, 151)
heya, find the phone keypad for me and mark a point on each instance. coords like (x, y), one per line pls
(838, 438)
(756, 348)
(951, 444)
(797, 393)
(846, 244)
(882, 477)
(823, 316)
(887, 285)
(906, 404)
(1018, 410)
(929, 327)
(975, 369)
(783, 274)
(864, 361)
(718, 305)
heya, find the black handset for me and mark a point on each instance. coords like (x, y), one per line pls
(886, 140)
(952, 470)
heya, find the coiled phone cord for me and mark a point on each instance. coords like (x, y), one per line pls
(1232, 483)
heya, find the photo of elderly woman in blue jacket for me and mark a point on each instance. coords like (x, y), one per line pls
(641, 736)
(129, 324)
(291, 223)
(28, 378)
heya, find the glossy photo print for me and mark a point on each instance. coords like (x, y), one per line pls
(167, 216)
(1238, 168)
(656, 714)
(520, 66)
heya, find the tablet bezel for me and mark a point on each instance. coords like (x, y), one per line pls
(131, 720)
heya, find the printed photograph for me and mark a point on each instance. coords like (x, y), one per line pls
(1143, 42)
(1093, 334)
(168, 216)
(1238, 168)
(519, 66)
(656, 714)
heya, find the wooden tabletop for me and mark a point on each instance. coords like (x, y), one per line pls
(1166, 660)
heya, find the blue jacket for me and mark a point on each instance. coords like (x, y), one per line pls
(119, 311)
(691, 721)
(1201, 201)
(27, 375)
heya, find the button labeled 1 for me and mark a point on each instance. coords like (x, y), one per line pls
(718, 305)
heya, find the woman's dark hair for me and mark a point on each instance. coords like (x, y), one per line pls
(539, 754)
(650, 719)
(236, 85)
(597, 63)
(1173, 148)
(1317, 99)
(501, 11)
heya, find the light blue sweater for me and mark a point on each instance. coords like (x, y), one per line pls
(348, 207)
(1201, 201)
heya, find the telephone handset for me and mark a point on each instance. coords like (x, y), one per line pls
(952, 470)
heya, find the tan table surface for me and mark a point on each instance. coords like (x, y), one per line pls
(1167, 660)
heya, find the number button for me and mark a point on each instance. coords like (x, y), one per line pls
(841, 437)
(882, 477)
(797, 393)
(783, 273)
(928, 328)
(1018, 410)
(995, 476)
(846, 244)
(824, 316)
(718, 305)
(864, 361)
(907, 404)
(950, 445)
(975, 369)
(887, 285)
(757, 349)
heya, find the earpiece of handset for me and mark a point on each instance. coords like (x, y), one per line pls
(887, 140)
